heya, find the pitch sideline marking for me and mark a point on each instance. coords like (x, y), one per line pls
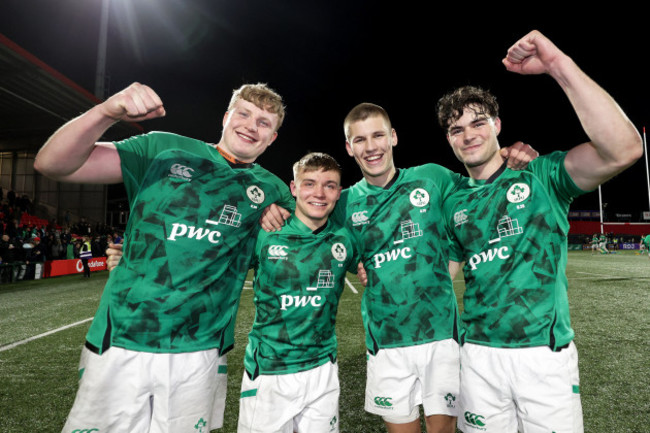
(351, 286)
(600, 275)
(45, 334)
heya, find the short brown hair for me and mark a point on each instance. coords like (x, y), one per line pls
(450, 107)
(262, 96)
(315, 161)
(362, 112)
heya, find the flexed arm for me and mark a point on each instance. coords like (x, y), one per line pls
(614, 144)
(72, 153)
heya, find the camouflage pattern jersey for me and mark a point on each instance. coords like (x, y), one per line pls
(511, 232)
(188, 243)
(400, 232)
(299, 277)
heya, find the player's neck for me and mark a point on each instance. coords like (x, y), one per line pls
(229, 156)
(383, 179)
(312, 223)
(486, 170)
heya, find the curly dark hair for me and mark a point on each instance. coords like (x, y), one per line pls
(450, 107)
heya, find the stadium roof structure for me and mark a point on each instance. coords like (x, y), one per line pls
(35, 100)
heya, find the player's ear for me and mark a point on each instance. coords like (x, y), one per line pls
(292, 187)
(497, 125)
(275, 135)
(348, 147)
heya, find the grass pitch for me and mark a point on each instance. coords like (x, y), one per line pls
(43, 325)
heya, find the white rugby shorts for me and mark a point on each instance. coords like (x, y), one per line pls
(140, 392)
(505, 390)
(401, 378)
(303, 402)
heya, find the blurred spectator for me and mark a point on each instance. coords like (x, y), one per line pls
(85, 254)
(36, 257)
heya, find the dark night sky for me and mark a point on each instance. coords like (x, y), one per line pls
(325, 57)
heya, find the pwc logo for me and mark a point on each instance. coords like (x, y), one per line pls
(502, 253)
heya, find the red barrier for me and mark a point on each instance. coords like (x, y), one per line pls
(591, 227)
(55, 268)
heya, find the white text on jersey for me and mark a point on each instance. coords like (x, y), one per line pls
(394, 254)
(487, 256)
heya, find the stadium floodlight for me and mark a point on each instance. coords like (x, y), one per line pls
(100, 76)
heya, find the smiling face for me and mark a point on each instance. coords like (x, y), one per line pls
(316, 192)
(248, 130)
(473, 138)
(370, 142)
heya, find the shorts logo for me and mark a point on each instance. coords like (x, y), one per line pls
(200, 426)
(333, 422)
(474, 420)
(419, 197)
(255, 194)
(339, 252)
(278, 252)
(450, 398)
(383, 401)
(518, 193)
(359, 218)
(180, 171)
(85, 430)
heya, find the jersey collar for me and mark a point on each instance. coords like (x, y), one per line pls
(232, 161)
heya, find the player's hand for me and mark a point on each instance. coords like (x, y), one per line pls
(135, 103)
(532, 54)
(362, 275)
(113, 255)
(273, 217)
(519, 155)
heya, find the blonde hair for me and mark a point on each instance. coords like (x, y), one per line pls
(262, 96)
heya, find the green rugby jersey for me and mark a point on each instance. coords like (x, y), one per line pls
(400, 231)
(511, 232)
(299, 277)
(187, 249)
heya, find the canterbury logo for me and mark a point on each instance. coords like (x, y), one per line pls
(474, 419)
(383, 401)
(182, 171)
(360, 217)
(278, 250)
(86, 430)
